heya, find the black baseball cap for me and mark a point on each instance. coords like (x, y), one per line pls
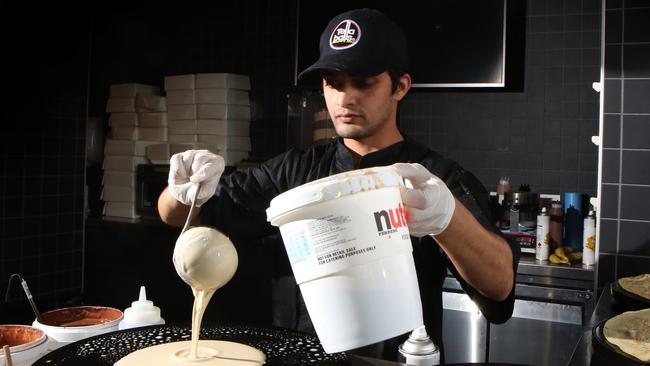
(361, 42)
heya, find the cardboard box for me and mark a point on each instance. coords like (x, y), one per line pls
(152, 103)
(118, 194)
(124, 133)
(223, 111)
(121, 179)
(123, 119)
(130, 90)
(185, 111)
(152, 119)
(123, 163)
(120, 209)
(127, 147)
(223, 127)
(152, 133)
(182, 127)
(176, 82)
(222, 96)
(180, 96)
(222, 81)
(238, 143)
(175, 139)
(120, 105)
(158, 153)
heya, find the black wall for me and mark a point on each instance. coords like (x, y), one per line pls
(625, 188)
(541, 136)
(43, 118)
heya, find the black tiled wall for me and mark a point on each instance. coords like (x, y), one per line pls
(625, 189)
(541, 136)
(42, 154)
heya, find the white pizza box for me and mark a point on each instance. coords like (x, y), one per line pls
(222, 96)
(158, 153)
(222, 81)
(118, 194)
(130, 90)
(123, 119)
(233, 157)
(180, 96)
(175, 82)
(175, 148)
(182, 138)
(152, 119)
(183, 111)
(127, 147)
(182, 126)
(123, 163)
(117, 178)
(153, 103)
(223, 127)
(223, 111)
(152, 133)
(224, 142)
(120, 209)
(124, 133)
(120, 105)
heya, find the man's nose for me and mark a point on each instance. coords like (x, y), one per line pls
(346, 96)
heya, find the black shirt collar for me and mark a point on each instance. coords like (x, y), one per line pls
(398, 152)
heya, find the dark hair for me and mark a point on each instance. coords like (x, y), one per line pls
(394, 79)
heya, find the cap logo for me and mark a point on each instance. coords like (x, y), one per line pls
(345, 35)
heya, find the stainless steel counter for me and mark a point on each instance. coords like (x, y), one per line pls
(552, 304)
(578, 276)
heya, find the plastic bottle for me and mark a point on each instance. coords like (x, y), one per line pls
(141, 313)
(502, 188)
(543, 237)
(556, 216)
(514, 218)
(589, 239)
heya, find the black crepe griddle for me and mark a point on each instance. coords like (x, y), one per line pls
(282, 347)
(610, 352)
(627, 300)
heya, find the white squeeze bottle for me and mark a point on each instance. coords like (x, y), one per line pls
(141, 313)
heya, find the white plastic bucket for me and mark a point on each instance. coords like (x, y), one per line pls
(72, 324)
(26, 344)
(350, 251)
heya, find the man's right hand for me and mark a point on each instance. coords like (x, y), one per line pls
(193, 167)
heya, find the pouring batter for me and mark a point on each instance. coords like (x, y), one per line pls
(206, 260)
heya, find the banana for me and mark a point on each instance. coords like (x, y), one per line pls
(558, 260)
(575, 256)
(560, 252)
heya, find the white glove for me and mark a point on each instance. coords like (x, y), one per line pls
(428, 202)
(189, 169)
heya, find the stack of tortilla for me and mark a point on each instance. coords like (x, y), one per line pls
(630, 331)
(638, 285)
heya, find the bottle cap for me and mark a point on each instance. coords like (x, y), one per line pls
(142, 312)
(419, 350)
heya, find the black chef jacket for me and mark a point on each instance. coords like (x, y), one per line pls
(239, 210)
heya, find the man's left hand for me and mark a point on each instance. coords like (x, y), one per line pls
(428, 202)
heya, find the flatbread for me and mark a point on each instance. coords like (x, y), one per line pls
(638, 285)
(630, 331)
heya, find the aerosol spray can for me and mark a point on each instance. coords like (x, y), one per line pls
(419, 350)
(589, 239)
(543, 236)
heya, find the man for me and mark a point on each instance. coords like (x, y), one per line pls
(363, 67)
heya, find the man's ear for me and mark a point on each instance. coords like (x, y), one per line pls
(403, 87)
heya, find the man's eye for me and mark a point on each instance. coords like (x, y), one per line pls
(336, 84)
(363, 83)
